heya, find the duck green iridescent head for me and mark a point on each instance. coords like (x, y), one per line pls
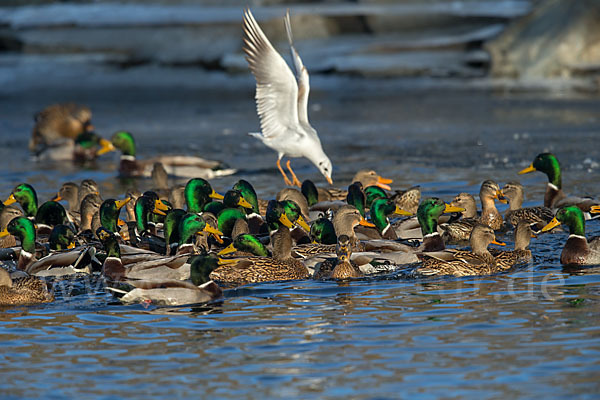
(430, 210)
(226, 219)
(381, 210)
(247, 243)
(193, 224)
(233, 198)
(294, 214)
(124, 141)
(548, 164)
(26, 196)
(356, 197)
(146, 205)
(51, 213)
(309, 190)
(91, 140)
(24, 229)
(171, 226)
(572, 216)
(201, 267)
(248, 193)
(276, 215)
(109, 241)
(62, 238)
(109, 213)
(322, 231)
(198, 193)
(373, 193)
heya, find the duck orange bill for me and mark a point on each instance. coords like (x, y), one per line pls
(121, 203)
(160, 207)
(71, 245)
(400, 211)
(500, 197)
(215, 195)
(286, 221)
(498, 243)
(215, 232)
(120, 222)
(551, 225)
(106, 146)
(364, 222)
(531, 168)
(300, 221)
(11, 200)
(384, 183)
(4, 233)
(244, 203)
(57, 197)
(595, 209)
(450, 209)
(229, 249)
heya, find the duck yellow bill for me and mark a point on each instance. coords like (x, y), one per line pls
(215, 232)
(227, 250)
(300, 221)
(11, 200)
(552, 224)
(215, 195)
(106, 147)
(4, 233)
(286, 221)
(595, 209)
(500, 197)
(531, 168)
(400, 211)
(384, 183)
(498, 243)
(121, 203)
(227, 261)
(57, 197)
(160, 207)
(450, 209)
(244, 203)
(364, 222)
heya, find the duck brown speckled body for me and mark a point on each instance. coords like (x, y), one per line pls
(540, 216)
(22, 291)
(340, 267)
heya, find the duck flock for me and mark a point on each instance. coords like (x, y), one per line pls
(184, 244)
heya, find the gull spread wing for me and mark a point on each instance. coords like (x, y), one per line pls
(276, 88)
(301, 74)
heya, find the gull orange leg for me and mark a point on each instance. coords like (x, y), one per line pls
(295, 180)
(285, 178)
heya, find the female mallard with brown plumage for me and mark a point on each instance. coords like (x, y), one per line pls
(521, 253)
(340, 267)
(477, 261)
(282, 266)
(460, 230)
(577, 249)
(540, 216)
(22, 291)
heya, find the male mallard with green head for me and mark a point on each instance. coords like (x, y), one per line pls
(577, 249)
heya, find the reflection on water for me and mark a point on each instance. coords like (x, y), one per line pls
(532, 331)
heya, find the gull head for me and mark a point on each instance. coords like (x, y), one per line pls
(325, 167)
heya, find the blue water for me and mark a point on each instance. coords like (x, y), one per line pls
(532, 332)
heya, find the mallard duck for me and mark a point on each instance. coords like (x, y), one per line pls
(282, 101)
(540, 216)
(297, 197)
(182, 166)
(7, 214)
(174, 292)
(109, 213)
(490, 216)
(24, 229)
(381, 209)
(577, 249)
(428, 214)
(341, 267)
(245, 245)
(458, 231)
(477, 261)
(89, 145)
(521, 253)
(322, 231)
(22, 291)
(282, 266)
(554, 196)
(367, 177)
(89, 216)
(56, 128)
(198, 193)
(69, 192)
(408, 199)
